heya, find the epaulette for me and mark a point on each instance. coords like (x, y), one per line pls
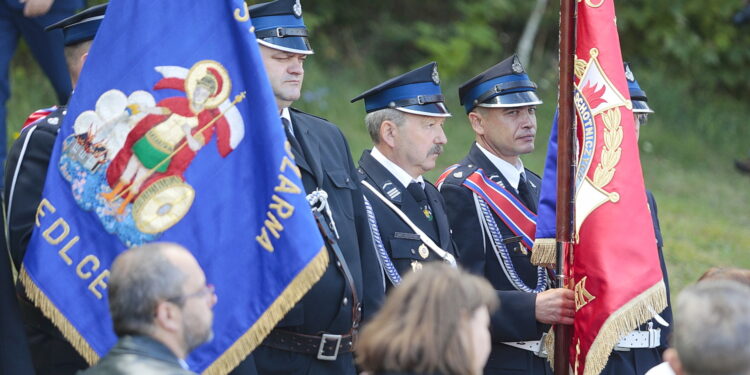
(309, 114)
(40, 114)
(532, 172)
(459, 174)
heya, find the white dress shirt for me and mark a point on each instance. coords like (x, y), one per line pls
(512, 173)
(401, 175)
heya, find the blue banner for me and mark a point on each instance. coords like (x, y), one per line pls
(173, 134)
(546, 214)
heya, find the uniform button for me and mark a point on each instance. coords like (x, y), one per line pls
(413, 251)
(345, 301)
(338, 263)
(347, 179)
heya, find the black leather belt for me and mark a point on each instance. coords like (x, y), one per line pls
(326, 346)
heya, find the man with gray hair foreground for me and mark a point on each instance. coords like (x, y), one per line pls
(724, 306)
(161, 311)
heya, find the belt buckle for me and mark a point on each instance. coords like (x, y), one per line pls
(323, 340)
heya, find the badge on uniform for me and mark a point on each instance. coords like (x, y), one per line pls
(416, 265)
(423, 252)
(427, 212)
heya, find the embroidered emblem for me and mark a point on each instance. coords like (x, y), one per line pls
(126, 159)
(597, 101)
(435, 76)
(297, 9)
(516, 66)
(582, 296)
(629, 74)
(416, 265)
(458, 174)
(53, 120)
(393, 192)
(423, 252)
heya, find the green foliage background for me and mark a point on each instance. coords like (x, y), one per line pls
(690, 59)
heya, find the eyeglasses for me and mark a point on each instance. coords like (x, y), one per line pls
(208, 289)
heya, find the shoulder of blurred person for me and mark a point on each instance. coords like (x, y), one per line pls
(138, 355)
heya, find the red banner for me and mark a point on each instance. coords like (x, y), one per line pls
(615, 266)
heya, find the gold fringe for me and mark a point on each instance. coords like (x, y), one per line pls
(58, 319)
(549, 346)
(255, 335)
(544, 252)
(622, 321)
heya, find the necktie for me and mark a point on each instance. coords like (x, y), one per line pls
(296, 148)
(525, 194)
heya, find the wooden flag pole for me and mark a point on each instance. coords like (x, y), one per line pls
(565, 170)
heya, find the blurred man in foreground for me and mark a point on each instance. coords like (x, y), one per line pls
(161, 310)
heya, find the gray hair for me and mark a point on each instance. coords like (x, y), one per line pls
(373, 120)
(712, 333)
(142, 277)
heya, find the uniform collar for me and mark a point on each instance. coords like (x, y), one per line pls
(401, 175)
(511, 173)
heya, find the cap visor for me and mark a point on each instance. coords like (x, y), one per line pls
(293, 44)
(639, 106)
(431, 109)
(513, 99)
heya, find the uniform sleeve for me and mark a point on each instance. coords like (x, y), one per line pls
(515, 319)
(25, 173)
(667, 313)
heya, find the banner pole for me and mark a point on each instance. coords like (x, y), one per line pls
(565, 171)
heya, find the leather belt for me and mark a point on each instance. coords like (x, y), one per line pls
(326, 346)
(650, 338)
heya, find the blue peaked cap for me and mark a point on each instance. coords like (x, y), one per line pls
(637, 95)
(417, 92)
(80, 27)
(504, 85)
(279, 25)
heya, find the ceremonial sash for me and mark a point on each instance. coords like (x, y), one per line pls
(519, 219)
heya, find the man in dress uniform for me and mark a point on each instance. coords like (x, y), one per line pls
(28, 19)
(25, 173)
(642, 348)
(405, 117)
(316, 336)
(491, 200)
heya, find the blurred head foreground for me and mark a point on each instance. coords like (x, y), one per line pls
(712, 333)
(436, 321)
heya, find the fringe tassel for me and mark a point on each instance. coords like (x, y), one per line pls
(255, 335)
(622, 321)
(58, 319)
(549, 346)
(544, 252)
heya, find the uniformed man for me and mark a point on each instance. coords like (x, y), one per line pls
(25, 173)
(316, 336)
(405, 118)
(489, 197)
(642, 348)
(28, 19)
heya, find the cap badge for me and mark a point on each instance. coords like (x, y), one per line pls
(629, 74)
(297, 9)
(516, 66)
(435, 76)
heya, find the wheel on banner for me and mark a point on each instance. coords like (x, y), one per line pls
(164, 203)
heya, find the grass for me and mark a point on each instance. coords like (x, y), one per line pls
(686, 151)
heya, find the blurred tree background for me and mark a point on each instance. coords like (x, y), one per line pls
(688, 55)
